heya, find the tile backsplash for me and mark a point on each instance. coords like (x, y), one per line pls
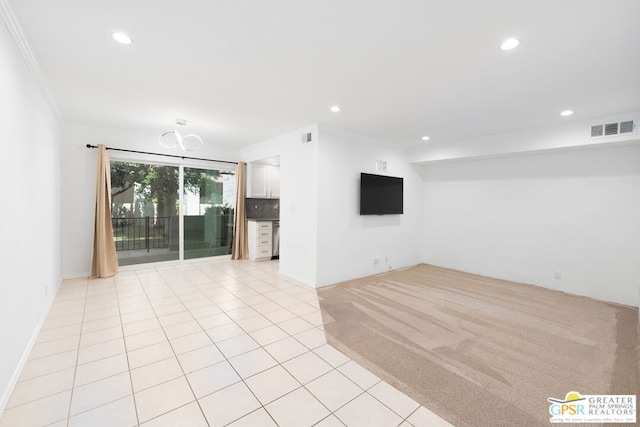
(263, 208)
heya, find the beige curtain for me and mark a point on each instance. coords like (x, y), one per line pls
(240, 249)
(104, 262)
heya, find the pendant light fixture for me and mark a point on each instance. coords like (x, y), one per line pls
(173, 138)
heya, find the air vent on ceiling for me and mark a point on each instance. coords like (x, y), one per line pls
(307, 137)
(615, 128)
(627, 127)
(597, 130)
(610, 129)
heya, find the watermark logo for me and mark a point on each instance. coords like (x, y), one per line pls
(577, 408)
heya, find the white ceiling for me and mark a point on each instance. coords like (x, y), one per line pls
(247, 70)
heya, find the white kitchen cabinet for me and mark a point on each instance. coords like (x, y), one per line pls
(263, 181)
(273, 181)
(260, 240)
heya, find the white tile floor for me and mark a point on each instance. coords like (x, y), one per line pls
(208, 343)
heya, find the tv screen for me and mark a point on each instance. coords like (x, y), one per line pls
(380, 195)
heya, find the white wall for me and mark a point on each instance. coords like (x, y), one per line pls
(522, 218)
(30, 214)
(347, 241)
(323, 238)
(298, 200)
(78, 181)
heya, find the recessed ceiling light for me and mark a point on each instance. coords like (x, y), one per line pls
(566, 113)
(425, 138)
(335, 109)
(509, 44)
(122, 38)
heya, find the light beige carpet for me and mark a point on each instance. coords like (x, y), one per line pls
(481, 351)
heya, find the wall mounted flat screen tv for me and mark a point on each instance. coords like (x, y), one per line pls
(380, 195)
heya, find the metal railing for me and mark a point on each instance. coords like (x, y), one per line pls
(141, 233)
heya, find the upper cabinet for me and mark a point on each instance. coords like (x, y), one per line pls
(263, 181)
(274, 182)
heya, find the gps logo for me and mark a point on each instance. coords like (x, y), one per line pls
(568, 406)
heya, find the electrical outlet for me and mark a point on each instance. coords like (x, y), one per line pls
(557, 275)
(376, 261)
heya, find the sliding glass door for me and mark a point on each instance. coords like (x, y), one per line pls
(208, 212)
(146, 214)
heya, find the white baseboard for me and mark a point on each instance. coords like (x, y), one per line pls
(6, 395)
(75, 275)
(297, 279)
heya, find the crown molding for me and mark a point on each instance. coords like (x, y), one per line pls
(13, 26)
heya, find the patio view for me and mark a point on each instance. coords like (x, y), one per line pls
(146, 215)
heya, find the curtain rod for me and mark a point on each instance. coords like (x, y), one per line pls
(165, 155)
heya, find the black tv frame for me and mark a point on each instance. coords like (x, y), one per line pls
(381, 194)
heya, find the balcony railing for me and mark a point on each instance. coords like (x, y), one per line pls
(141, 233)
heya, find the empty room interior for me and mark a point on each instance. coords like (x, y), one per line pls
(319, 213)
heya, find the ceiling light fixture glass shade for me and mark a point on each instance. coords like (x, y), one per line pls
(191, 142)
(173, 138)
(170, 139)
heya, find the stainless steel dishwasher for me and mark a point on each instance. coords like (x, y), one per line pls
(275, 242)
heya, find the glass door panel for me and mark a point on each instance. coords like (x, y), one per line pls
(144, 210)
(208, 200)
